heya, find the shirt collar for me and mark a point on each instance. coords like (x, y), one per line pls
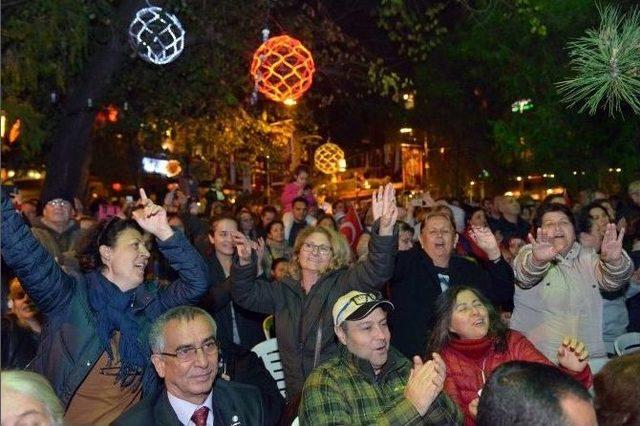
(184, 409)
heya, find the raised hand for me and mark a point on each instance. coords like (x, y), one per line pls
(383, 206)
(243, 247)
(542, 249)
(611, 249)
(573, 355)
(152, 218)
(485, 239)
(260, 247)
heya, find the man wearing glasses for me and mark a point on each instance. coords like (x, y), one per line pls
(185, 354)
(369, 382)
(57, 231)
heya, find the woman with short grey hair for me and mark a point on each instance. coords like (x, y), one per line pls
(28, 398)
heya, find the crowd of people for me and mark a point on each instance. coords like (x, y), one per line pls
(397, 310)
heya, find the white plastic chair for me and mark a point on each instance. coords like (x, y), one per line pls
(267, 325)
(627, 343)
(268, 351)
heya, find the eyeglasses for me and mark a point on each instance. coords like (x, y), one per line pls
(321, 249)
(361, 299)
(188, 353)
(58, 202)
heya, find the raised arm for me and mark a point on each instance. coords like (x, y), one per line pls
(181, 255)
(377, 267)
(534, 260)
(248, 290)
(41, 277)
(614, 268)
(499, 280)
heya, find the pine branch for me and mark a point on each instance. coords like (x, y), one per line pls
(607, 65)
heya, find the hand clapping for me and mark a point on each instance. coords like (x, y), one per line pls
(425, 383)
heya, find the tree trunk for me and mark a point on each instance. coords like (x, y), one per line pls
(70, 157)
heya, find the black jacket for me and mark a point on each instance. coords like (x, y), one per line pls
(415, 288)
(236, 404)
(69, 346)
(19, 344)
(218, 303)
(243, 366)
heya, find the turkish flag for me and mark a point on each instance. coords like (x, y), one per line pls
(351, 227)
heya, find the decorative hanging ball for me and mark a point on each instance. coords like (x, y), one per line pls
(327, 158)
(173, 168)
(282, 69)
(157, 36)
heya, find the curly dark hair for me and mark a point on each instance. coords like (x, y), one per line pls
(445, 304)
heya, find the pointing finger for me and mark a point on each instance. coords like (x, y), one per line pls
(143, 195)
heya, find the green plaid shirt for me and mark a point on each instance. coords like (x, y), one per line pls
(345, 391)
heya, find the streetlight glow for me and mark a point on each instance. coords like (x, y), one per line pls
(406, 130)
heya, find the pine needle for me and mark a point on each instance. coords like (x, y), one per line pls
(607, 64)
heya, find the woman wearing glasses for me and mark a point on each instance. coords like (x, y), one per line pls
(473, 342)
(93, 344)
(319, 274)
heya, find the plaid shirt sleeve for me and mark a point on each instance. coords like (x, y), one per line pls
(443, 411)
(322, 402)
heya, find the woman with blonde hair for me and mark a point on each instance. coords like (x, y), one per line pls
(319, 274)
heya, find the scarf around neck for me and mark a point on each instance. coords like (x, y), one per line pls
(113, 310)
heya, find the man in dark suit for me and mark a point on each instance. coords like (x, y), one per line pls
(185, 355)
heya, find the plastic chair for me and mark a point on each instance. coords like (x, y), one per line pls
(270, 355)
(267, 326)
(627, 343)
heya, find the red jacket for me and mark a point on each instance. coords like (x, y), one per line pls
(471, 362)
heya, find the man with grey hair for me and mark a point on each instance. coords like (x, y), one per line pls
(28, 398)
(185, 354)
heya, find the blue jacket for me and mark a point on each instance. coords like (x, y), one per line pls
(69, 347)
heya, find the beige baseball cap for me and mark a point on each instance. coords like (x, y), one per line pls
(356, 305)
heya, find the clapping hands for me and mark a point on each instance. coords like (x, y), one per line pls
(425, 383)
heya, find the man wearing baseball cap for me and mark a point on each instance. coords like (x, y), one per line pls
(369, 382)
